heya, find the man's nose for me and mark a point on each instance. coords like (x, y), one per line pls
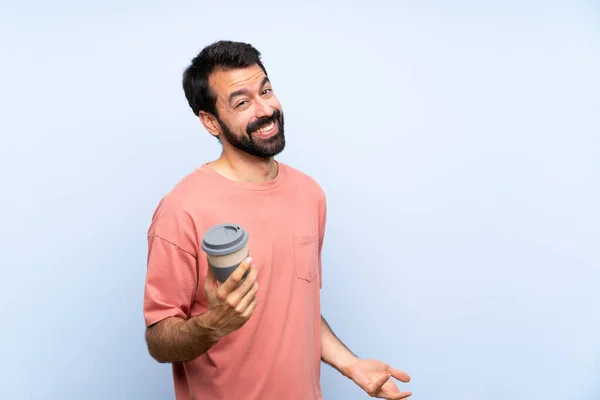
(263, 109)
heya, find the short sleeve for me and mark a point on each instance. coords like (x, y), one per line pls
(171, 281)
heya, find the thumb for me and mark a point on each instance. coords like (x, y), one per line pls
(210, 280)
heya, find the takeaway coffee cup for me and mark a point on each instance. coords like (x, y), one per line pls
(226, 246)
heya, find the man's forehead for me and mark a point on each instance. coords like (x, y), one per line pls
(224, 81)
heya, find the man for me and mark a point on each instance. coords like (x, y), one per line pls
(263, 338)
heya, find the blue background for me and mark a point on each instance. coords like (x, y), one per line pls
(458, 144)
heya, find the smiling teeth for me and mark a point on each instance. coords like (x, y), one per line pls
(266, 128)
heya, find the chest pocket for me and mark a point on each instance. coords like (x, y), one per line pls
(306, 256)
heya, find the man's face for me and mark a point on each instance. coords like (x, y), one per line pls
(249, 115)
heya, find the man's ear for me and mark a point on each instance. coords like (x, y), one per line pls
(210, 123)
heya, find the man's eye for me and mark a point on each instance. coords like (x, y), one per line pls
(241, 103)
(267, 91)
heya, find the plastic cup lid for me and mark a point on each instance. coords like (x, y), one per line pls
(224, 239)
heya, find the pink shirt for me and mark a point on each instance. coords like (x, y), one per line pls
(277, 353)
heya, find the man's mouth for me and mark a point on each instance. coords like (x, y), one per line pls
(265, 126)
(265, 129)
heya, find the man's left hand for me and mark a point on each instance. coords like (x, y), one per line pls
(374, 377)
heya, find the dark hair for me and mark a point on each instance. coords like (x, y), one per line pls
(222, 55)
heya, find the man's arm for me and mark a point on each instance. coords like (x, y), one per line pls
(371, 375)
(176, 340)
(333, 351)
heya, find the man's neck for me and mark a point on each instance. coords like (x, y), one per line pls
(245, 168)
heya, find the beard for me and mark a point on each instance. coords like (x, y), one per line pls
(262, 148)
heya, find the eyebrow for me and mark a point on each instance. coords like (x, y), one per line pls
(242, 92)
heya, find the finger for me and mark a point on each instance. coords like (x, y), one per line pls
(243, 289)
(400, 375)
(248, 281)
(399, 396)
(247, 299)
(376, 387)
(233, 299)
(250, 309)
(234, 279)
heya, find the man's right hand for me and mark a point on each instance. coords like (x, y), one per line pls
(231, 304)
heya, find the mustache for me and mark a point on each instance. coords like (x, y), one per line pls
(260, 123)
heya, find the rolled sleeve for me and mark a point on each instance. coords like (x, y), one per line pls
(171, 281)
